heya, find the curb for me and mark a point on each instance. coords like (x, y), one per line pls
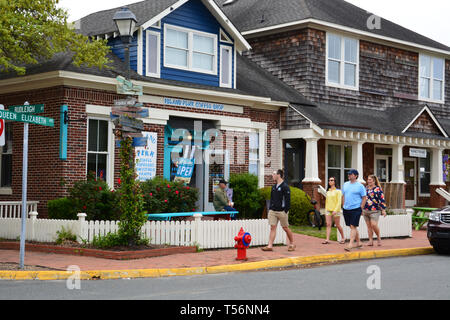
(252, 266)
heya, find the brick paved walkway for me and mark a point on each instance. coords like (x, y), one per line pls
(306, 246)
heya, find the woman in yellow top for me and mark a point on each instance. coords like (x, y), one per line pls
(333, 207)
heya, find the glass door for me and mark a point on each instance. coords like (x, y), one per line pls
(411, 182)
(217, 167)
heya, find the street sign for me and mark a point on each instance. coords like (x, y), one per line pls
(137, 142)
(124, 121)
(130, 111)
(127, 87)
(32, 108)
(27, 118)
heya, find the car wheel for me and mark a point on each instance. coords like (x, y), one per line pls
(441, 250)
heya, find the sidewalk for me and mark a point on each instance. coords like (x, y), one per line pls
(308, 249)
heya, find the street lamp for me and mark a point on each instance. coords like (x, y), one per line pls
(125, 21)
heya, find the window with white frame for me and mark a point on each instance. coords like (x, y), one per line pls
(431, 78)
(190, 50)
(339, 162)
(226, 54)
(153, 68)
(98, 151)
(254, 161)
(6, 158)
(342, 61)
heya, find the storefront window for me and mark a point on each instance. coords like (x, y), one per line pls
(6, 159)
(425, 174)
(339, 162)
(98, 148)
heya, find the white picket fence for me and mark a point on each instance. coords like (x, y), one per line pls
(390, 226)
(13, 209)
(206, 234)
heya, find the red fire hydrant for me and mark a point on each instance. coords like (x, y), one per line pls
(243, 240)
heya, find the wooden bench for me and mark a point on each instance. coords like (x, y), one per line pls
(168, 216)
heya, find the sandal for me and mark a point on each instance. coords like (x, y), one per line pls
(342, 241)
(325, 242)
(267, 249)
(348, 249)
(292, 247)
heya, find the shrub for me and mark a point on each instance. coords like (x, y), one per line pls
(94, 197)
(163, 196)
(300, 205)
(246, 198)
(65, 235)
(62, 209)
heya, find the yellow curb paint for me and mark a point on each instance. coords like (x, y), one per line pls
(168, 272)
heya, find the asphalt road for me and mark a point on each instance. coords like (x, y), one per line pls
(419, 277)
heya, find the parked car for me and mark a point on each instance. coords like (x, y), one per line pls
(439, 230)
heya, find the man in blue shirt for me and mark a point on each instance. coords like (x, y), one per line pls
(354, 198)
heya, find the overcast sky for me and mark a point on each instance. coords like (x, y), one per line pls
(429, 18)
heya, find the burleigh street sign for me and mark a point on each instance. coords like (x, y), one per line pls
(32, 108)
(27, 118)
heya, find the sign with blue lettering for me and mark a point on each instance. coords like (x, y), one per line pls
(185, 170)
(194, 104)
(146, 157)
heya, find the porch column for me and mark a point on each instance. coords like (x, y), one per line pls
(437, 178)
(312, 161)
(357, 159)
(398, 168)
(312, 180)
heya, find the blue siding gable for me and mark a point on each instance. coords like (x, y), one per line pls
(118, 49)
(195, 16)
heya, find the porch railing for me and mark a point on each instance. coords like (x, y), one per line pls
(13, 209)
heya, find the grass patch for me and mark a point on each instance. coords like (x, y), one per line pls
(314, 232)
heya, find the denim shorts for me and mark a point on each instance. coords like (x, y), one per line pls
(352, 217)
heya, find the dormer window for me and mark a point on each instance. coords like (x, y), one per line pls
(190, 50)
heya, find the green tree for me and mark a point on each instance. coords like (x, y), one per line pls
(33, 30)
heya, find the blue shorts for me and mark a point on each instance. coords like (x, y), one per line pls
(352, 217)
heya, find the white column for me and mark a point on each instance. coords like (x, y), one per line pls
(357, 159)
(437, 174)
(398, 168)
(312, 161)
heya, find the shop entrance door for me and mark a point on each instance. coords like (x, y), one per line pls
(216, 168)
(411, 182)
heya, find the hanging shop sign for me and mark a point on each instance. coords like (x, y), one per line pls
(418, 153)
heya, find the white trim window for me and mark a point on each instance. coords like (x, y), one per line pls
(431, 79)
(6, 158)
(98, 148)
(153, 66)
(253, 152)
(338, 162)
(226, 62)
(190, 50)
(342, 66)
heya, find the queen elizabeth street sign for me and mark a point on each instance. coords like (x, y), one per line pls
(27, 118)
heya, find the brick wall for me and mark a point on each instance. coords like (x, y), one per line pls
(50, 178)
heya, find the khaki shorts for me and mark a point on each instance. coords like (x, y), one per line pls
(275, 216)
(371, 215)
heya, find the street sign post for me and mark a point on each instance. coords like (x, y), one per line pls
(26, 115)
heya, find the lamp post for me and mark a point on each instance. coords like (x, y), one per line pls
(125, 21)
